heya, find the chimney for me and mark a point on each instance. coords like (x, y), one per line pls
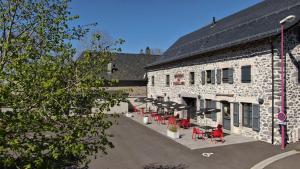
(213, 22)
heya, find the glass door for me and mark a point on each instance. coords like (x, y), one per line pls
(226, 115)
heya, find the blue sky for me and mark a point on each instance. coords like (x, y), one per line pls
(153, 23)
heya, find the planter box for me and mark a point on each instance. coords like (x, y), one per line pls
(174, 135)
(129, 115)
(146, 119)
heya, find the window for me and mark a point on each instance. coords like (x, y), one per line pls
(247, 115)
(246, 74)
(298, 71)
(208, 76)
(152, 80)
(298, 75)
(208, 105)
(192, 78)
(167, 80)
(225, 75)
(203, 77)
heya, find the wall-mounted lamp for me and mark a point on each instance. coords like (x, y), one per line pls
(165, 94)
(199, 96)
(260, 100)
(179, 95)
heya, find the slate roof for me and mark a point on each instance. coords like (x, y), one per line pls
(131, 66)
(253, 23)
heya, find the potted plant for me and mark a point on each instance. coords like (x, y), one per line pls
(129, 114)
(173, 132)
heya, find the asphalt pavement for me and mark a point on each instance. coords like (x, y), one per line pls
(137, 146)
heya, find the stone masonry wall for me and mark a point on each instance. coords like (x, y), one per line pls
(258, 55)
(292, 55)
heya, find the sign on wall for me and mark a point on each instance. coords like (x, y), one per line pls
(178, 79)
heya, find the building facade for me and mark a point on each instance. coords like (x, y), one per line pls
(234, 65)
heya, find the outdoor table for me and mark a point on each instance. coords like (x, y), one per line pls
(178, 120)
(207, 130)
(207, 127)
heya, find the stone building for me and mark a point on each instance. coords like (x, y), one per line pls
(129, 70)
(233, 65)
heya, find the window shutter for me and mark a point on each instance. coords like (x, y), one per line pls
(213, 78)
(230, 76)
(214, 114)
(201, 104)
(203, 77)
(219, 76)
(236, 114)
(246, 74)
(256, 118)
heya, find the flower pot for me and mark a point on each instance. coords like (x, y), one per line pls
(173, 135)
(128, 114)
(146, 119)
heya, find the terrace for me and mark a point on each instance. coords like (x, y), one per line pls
(185, 134)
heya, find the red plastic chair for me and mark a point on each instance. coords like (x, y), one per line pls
(185, 123)
(153, 116)
(160, 119)
(142, 111)
(136, 110)
(217, 133)
(171, 121)
(197, 131)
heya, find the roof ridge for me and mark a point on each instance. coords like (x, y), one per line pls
(144, 54)
(235, 26)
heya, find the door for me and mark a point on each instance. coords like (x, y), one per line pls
(191, 103)
(226, 115)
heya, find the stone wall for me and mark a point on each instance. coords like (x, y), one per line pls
(258, 55)
(292, 55)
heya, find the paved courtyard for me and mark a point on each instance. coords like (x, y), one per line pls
(186, 135)
(136, 146)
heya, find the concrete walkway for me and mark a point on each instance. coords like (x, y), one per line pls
(186, 136)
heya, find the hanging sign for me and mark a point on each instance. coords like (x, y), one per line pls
(178, 79)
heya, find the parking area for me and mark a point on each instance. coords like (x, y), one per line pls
(137, 145)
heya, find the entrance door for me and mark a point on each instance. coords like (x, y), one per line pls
(226, 115)
(191, 103)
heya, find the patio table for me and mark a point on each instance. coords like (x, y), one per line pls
(207, 127)
(207, 130)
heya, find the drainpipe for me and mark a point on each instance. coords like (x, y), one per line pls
(282, 22)
(272, 63)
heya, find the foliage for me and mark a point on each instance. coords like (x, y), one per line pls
(49, 95)
(173, 128)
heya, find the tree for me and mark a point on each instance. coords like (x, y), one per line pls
(50, 123)
(148, 50)
(141, 51)
(156, 51)
(84, 43)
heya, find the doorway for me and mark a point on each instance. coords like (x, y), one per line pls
(226, 115)
(191, 103)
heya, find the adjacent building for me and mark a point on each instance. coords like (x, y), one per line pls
(233, 64)
(129, 70)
